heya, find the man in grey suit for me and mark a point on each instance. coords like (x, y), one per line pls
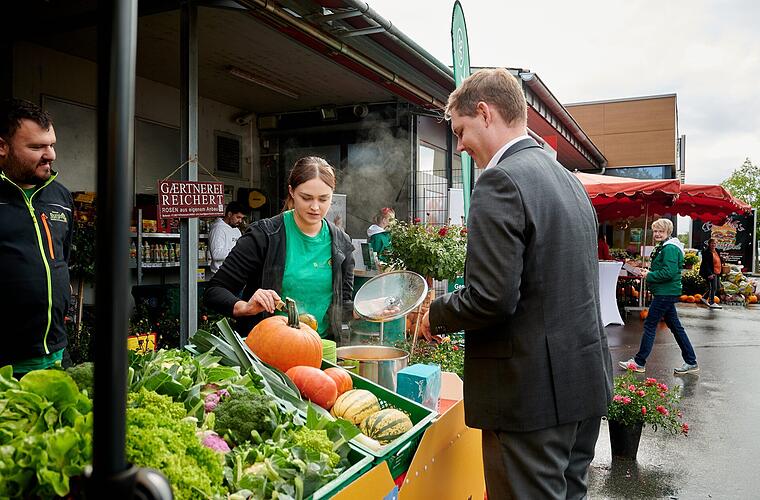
(537, 372)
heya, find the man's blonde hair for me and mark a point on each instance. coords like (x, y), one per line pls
(664, 224)
(496, 87)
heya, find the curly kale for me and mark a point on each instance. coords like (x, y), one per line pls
(246, 416)
(315, 443)
(158, 438)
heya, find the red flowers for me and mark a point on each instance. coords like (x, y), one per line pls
(443, 231)
(641, 394)
(643, 410)
(662, 410)
(417, 220)
(650, 381)
(685, 428)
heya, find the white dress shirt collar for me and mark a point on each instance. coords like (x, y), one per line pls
(501, 151)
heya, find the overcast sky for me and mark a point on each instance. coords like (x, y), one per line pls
(708, 53)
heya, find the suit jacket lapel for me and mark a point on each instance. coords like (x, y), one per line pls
(518, 146)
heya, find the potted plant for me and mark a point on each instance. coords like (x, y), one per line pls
(690, 259)
(637, 403)
(435, 252)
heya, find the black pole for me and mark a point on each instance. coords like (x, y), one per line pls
(117, 47)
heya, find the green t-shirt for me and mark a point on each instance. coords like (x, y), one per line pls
(39, 363)
(29, 192)
(380, 242)
(308, 271)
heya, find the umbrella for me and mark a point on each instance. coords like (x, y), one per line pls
(708, 203)
(621, 197)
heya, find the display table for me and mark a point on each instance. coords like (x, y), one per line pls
(608, 275)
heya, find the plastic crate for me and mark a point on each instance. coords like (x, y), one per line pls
(361, 461)
(398, 453)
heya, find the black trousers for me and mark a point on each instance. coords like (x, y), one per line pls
(545, 464)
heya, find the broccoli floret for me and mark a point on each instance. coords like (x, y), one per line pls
(316, 441)
(237, 416)
(83, 376)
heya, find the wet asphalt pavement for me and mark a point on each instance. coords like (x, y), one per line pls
(721, 456)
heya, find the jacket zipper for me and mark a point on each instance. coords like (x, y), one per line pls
(44, 218)
(41, 246)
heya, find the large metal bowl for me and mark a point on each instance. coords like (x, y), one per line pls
(377, 363)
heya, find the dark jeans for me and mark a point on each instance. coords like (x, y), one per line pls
(714, 283)
(664, 306)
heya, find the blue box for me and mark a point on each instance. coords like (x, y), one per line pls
(420, 383)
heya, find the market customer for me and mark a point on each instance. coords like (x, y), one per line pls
(710, 269)
(36, 226)
(297, 254)
(537, 370)
(664, 281)
(224, 233)
(379, 238)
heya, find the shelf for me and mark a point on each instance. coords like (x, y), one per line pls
(165, 235)
(161, 265)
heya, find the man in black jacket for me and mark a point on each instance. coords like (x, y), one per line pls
(537, 368)
(36, 225)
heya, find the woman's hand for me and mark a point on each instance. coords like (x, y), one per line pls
(262, 300)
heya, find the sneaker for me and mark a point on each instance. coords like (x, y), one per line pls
(631, 363)
(715, 306)
(686, 368)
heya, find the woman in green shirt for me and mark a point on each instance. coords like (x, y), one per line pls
(379, 238)
(297, 254)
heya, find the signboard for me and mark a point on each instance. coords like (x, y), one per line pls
(185, 199)
(734, 239)
(460, 49)
(142, 343)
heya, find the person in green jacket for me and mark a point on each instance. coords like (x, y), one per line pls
(664, 281)
(379, 238)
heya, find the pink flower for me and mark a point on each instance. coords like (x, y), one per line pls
(626, 400)
(641, 393)
(443, 231)
(662, 387)
(455, 348)
(631, 387)
(417, 220)
(617, 398)
(662, 410)
(631, 366)
(650, 381)
(685, 428)
(463, 231)
(643, 410)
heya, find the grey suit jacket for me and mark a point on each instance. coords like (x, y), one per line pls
(536, 353)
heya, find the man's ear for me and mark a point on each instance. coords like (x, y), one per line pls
(484, 110)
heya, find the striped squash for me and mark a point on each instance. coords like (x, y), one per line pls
(386, 425)
(355, 405)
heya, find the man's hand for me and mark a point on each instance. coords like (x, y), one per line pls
(262, 300)
(425, 326)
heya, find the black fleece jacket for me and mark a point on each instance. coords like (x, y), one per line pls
(258, 261)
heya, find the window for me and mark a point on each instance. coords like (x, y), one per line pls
(228, 155)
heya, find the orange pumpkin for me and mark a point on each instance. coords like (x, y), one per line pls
(643, 314)
(752, 299)
(716, 300)
(315, 385)
(683, 298)
(285, 342)
(690, 299)
(342, 379)
(697, 297)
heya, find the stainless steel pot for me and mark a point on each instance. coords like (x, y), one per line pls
(377, 363)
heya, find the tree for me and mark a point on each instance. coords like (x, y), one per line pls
(744, 183)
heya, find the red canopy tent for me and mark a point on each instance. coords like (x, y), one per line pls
(621, 197)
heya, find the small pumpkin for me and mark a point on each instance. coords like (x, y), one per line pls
(697, 297)
(355, 405)
(309, 319)
(690, 299)
(716, 300)
(643, 314)
(683, 298)
(315, 385)
(285, 342)
(386, 425)
(342, 379)
(752, 299)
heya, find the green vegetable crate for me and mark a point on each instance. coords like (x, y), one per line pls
(361, 461)
(398, 453)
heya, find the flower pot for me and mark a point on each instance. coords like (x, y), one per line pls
(624, 439)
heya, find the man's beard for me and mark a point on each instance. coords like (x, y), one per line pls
(23, 173)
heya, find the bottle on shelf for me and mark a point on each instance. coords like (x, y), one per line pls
(132, 251)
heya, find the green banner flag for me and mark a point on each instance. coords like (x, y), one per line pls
(461, 52)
